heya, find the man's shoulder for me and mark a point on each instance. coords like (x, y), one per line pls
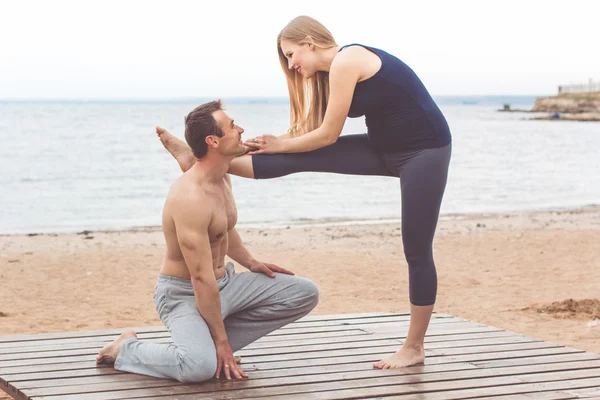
(184, 190)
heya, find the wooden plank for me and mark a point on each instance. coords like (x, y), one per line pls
(438, 348)
(431, 351)
(316, 339)
(257, 356)
(369, 336)
(526, 391)
(432, 332)
(90, 368)
(312, 379)
(255, 375)
(333, 317)
(78, 334)
(162, 329)
(430, 360)
(373, 328)
(111, 335)
(58, 374)
(8, 367)
(349, 387)
(588, 393)
(543, 359)
(164, 335)
(64, 354)
(368, 321)
(32, 357)
(542, 390)
(320, 338)
(355, 321)
(553, 395)
(73, 340)
(265, 381)
(444, 351)
(87, 361)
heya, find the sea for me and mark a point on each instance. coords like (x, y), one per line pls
(76, 165)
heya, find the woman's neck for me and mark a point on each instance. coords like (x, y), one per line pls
(326, 56)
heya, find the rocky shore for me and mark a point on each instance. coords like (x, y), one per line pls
(566, 107)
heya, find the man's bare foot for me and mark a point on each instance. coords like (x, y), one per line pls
(109, 353)
(405, 357)
(177, 147)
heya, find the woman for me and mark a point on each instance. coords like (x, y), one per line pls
(407, 137)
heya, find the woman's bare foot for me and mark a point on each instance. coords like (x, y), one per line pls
(405, 357)
(177, 147)
(109, 353)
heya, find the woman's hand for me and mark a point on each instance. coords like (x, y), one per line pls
(264, 144)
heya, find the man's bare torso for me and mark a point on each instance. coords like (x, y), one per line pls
(215, 199)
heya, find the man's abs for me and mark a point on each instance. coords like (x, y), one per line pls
(175, 263)
(178, 269)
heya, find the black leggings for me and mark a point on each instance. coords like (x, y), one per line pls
(422, 173)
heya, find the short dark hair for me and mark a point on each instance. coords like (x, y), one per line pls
(199, 124)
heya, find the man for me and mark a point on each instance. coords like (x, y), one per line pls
(210, 310)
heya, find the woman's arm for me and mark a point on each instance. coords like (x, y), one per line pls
(344, 73)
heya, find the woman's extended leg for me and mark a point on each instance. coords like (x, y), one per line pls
(423, 176)
(351, 155)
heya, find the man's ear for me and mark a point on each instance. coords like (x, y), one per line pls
(212, 141)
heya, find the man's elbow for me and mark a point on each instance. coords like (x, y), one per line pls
(200, 280)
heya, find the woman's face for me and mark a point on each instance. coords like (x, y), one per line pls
(300, 57)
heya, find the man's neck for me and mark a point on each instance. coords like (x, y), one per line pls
(213, 167)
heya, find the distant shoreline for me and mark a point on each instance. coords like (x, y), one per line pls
(323, 222)
(440, 99)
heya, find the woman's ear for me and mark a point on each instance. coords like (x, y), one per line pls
(310, 42)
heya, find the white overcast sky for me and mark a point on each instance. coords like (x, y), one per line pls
(221, 48)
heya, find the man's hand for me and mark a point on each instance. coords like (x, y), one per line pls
(267, 269)
(226, 363)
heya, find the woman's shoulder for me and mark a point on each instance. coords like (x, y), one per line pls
(359, 46)
(354, 51)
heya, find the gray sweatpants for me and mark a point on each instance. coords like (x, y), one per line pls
(252, 305)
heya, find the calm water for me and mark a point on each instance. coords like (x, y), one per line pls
(75, 166)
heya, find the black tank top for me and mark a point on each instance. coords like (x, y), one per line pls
(400, 114)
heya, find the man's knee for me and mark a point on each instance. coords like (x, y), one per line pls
(195, 368)
(307, 293)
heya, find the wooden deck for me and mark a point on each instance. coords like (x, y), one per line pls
(318, 357)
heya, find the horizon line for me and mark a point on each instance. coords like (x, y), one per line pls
(196, 98)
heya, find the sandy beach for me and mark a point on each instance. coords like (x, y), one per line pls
(535, 273)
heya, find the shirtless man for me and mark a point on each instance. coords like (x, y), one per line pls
(210, 310)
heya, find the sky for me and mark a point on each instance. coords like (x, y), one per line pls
(124, 49)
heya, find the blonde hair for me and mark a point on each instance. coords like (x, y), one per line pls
(308, 97)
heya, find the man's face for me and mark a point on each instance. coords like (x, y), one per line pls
(231, 141)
